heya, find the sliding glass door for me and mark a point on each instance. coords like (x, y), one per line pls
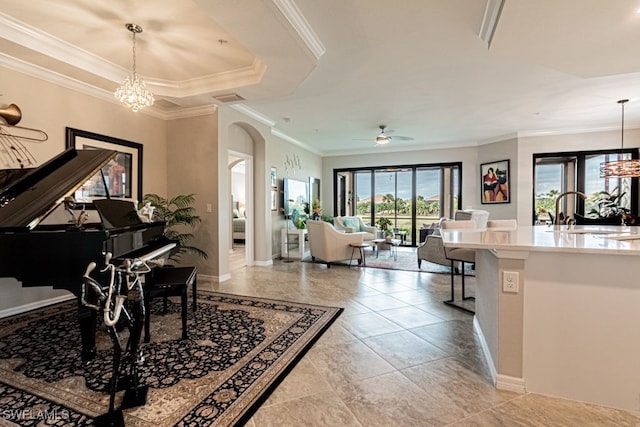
(394, 196)
(409, 196)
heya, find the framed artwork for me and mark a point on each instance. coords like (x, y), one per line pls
(274, 199)
(274, 177)
(123, 174)
(494, 179)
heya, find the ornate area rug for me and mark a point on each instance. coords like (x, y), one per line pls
(239, 349)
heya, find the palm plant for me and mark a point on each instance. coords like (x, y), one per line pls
(178, 213)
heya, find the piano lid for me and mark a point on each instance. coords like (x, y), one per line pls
(27, 197)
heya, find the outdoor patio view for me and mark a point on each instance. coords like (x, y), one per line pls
(389, 193)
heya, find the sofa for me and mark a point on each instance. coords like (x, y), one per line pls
(355, 224)
(329, 245)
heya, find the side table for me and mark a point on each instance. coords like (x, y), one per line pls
(360, 247)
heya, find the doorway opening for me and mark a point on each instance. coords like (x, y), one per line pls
(242, 218)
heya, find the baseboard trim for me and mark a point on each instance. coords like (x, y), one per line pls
(214, 278)
(505, 382)
(267, 263)
(485, 350)
(34, 305)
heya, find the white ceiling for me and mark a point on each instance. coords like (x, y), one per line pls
(328, 73)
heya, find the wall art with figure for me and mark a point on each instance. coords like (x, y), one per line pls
(495, 182)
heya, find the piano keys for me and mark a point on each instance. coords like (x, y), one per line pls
(38, 253)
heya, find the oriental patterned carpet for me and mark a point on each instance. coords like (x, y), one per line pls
(239, 349)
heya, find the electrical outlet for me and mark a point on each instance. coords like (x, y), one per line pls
(510, 281)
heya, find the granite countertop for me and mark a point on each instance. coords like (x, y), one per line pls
(541, 238)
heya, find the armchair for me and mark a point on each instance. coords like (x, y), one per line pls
(329, 245)
(432, 250)
(355, 224)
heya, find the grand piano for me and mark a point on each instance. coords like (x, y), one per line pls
(38, 253)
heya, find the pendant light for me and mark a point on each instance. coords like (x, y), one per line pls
(133, 91)
(621, 168)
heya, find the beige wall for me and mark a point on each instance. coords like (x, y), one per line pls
(268, 150)
(51, 108)
(489, 153)
(192, 153)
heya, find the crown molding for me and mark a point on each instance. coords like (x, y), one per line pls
(285, 137)
(86, 89)
(212, 83)
(299, 23)
(32, 38)
(249, 112)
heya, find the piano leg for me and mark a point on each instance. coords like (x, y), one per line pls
(87, 319)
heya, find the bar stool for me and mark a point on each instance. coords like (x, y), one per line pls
(169, 281)
(460, 255)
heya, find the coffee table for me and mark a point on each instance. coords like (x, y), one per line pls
(384, 244)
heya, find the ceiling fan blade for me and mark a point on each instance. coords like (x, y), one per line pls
(403, 138)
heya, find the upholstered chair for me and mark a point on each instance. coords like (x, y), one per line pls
(502, 224)
(479, 216)
(432, 250)
(355, 224)
(329, 245)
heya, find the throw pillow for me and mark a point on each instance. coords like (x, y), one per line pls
(236, 214)
(352, 223)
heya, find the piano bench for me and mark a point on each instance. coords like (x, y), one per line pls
(166, 282)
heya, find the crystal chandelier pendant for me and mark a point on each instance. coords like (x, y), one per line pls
(133, 92)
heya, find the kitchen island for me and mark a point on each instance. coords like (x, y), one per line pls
(569, 325)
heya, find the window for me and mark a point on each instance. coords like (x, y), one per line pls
(556, 173)
(409, 196)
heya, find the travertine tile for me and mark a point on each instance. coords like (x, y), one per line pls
(403, 349)
(369, 325)
(321, 410)
(304, 380)
(393, 400)
(379, 364)
(410, 317)
(346, 363)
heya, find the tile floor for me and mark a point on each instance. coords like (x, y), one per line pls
(397, 356)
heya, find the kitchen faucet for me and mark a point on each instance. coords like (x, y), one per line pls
(556, 221)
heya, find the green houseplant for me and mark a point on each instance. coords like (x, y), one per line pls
(385, 225)
(179, 214)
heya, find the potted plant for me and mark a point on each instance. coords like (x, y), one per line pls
(178, 212)
(606, 209)
(385, 225)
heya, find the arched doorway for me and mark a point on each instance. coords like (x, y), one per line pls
(242, 208)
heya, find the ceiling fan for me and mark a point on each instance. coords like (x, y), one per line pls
(384, 138)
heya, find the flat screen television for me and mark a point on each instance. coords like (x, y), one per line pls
(296, 196)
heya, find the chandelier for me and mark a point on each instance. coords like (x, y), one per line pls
(133, 91)
(621, 168)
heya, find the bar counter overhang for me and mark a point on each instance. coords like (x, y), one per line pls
(573, 328)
